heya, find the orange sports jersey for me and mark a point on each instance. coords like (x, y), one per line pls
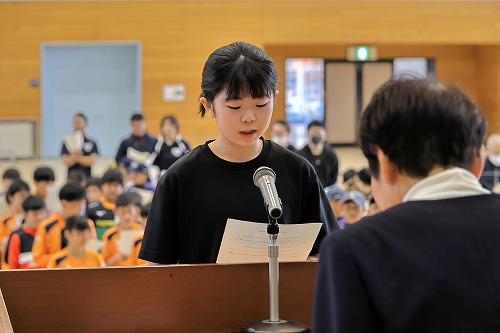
(64, 259)
(8, 224)
(134, 255)
(111, 238)
(49, 238)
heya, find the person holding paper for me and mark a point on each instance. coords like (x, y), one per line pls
(118, 240)
(102, 212)
(140, 140)
(12, 220)
(78, 151)
(430, 261)
(214, 182)
(136, 244)
(49, 237)
(77, 233)
(18, 254)
(140, 178)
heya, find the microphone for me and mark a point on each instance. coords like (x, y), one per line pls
(264, 179)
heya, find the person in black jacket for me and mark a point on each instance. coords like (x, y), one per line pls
(430, 261)
(140, 139)
(320, 154)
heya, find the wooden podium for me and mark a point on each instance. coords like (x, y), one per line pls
(184, 298)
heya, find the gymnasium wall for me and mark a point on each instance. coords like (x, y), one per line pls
(177, 37)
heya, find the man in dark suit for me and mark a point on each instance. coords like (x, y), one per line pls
(430, 262)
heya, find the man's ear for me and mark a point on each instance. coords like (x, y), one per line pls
(388, 170)
(208, 106)
(478, 165)
(276, 93)
(66, 234)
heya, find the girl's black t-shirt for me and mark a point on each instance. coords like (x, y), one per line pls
(198, 193)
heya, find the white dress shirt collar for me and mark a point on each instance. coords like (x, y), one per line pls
(451, 183)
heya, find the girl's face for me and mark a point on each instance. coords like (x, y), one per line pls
(241, 122)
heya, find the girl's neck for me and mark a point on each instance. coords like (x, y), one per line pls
(231, 152)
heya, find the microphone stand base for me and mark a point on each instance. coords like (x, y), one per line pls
(282, 326)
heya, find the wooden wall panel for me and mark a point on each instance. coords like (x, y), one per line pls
(178, 36)
(488, 84)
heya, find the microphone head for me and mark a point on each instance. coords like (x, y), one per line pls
(263, 171)
(275, 213)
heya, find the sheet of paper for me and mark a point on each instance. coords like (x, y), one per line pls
(247, 242)
(95, 245)
(136, 155)
(52, 199)
(26, 258)
(146, 195)
(126, 239)
(74, 141)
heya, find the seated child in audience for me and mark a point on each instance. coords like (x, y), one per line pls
(19, 246)
(11, 221)
(144, 214)
(102, 212)
(78, 177)
(374, 208)
(43, 177)
(335, 195)
(140, 177)
(137, 201)
(77, 233)
(127, 214)
(349, 179)
(353, 208)
(136, 245)
(93, 189)
(123, 166)
(364, 182)
(49, 234)
(9, 176)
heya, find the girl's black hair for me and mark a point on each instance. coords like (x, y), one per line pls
(242, 69)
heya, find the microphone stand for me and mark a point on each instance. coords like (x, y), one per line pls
(274, 324)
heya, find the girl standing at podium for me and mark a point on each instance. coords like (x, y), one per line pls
(213, 182)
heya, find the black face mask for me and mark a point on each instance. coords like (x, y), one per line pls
(316, 139)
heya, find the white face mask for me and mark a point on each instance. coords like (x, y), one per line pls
(281, 140)
(495, 160)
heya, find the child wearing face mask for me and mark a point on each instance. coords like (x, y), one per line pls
(280, 134)
(320, 155)
(490, 176)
